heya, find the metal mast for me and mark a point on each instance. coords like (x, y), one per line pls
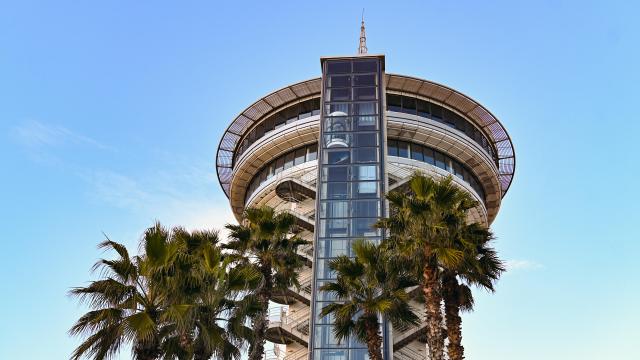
(362, 49)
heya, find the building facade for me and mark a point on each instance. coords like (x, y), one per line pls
(327, 150)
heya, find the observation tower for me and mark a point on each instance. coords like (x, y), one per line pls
(328, 149)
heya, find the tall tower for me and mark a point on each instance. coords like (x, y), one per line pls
(328, 149)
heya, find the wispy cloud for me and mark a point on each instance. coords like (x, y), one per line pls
(184, 199)
(523, 265)
(35, 134)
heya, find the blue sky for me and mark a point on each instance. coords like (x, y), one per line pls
(110, 114)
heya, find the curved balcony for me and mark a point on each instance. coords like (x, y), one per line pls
(285, 328)
(293, 294)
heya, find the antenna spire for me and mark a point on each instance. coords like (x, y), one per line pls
(362, 49)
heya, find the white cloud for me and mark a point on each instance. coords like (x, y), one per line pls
(522, 265)
(37, 135)
(182, 197)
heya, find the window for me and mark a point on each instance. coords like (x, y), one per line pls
(337, 109)
(337, 157)
(441, 162)
(428, 155)
(367, 139)
(409, 105)
(332, 248)
(335, 208)
(365, 189)
(334, 228)
(339, 94)
(364, 80)
(392, 147)
(364, 227)
(312, 153)
(336, 124)
(394, 102)
(365, 108)
(288, 160)
(335, 173)
(366, 123)
(337, 140)
(365, 172)
(403, 149)
(279, 166)
(365, 208)
(336, 190)
(436, 111)
(339, 81)
(423, 108)
(365, 66)
(364, 93)
(300, 156)
(338, 67)
(365, 155)
(416, 152)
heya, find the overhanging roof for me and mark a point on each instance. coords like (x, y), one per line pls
(463, 104)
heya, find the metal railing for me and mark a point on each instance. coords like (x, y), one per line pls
(296, 324)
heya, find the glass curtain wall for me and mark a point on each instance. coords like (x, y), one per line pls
(351, 183)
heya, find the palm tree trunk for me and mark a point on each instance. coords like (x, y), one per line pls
(261, 320)
(433, 299)
(450, 284)
(374, 341)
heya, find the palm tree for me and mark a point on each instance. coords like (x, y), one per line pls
(419, 234)
(368, 287)
(266, 241)
(481, 267)
(201, 291)
(127, 309)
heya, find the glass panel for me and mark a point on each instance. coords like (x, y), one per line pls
(337, 157)
(394, 102)
(409, 105)
(403, 149)
(436, 111)
(338, 67)
(416, 152)
(365, 155)
(364, 80)
(330, 248)
(334, 208)
(366, 123)
(365, 208)
(440, 161)
(364, 66)
(337, 140)
(300, 156)
(330, 354)
(365, 189)
(364, 93)
(367, 139)
(365, 109)
(392, 147)
(339, 94)
(312, 153)
(334, 228)
(339, 81)
(336, 124)
(335, 173)
(288, 160)
(337, 109)
(428, 155)
(364, 227)
(279, 165)
(365, 172)
(423, 108)
(335, 190)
